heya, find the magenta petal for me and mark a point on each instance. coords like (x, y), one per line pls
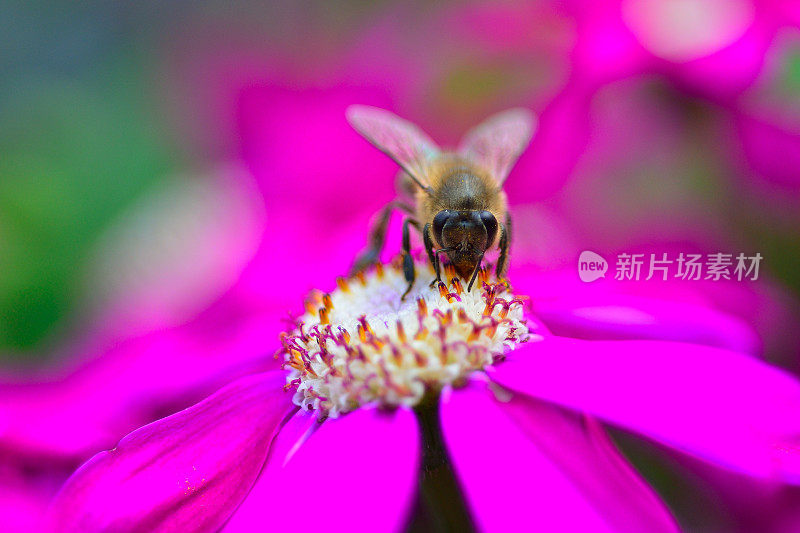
(294, 432)
(21, 506)
(70, 415)
(355, 473)
(186, 472)
(606, 311)
(526, 461)
(722, 406)
(632, 317)
(772, 147)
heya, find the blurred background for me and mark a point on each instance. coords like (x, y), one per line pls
(662, 123)
(130, 134)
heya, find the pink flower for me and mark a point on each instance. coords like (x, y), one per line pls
(714, 47)
(522, 431)
(145, 366)
(729, 52)
(366, 362)
(124, 380)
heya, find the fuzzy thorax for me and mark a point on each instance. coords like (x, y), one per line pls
(362, 344)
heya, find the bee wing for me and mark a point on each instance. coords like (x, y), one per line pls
(401, 140)
(497, 142)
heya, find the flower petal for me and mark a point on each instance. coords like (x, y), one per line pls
(21, 506)
(72, 414)
(665, 28)
(572, 308)
(281, 131)
(185, 472)
(631, 317)
(520, 456)
(355, 473)
(722, 406)
(293, 433)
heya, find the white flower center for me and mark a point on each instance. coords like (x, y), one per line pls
(362, 343)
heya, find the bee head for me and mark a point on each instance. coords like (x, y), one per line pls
(465, 236)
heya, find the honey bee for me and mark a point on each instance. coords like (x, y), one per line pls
(459, 204)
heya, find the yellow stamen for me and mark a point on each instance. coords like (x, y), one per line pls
(342, 283)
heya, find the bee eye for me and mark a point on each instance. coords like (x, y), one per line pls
(439, 221)
(490, 223)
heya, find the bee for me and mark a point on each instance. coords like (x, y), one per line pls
(458, 202)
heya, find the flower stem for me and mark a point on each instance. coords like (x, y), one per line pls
(440, 506)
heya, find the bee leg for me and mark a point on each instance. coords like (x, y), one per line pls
(408, 261)
(377, 237)
(505, 239)
(474, 274)
(433, 257)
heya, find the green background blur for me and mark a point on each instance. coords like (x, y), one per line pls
(78, 141)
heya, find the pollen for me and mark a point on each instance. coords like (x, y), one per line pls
(362, 343)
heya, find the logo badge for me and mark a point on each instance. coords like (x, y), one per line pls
(591, 266)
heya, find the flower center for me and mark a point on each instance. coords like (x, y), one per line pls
(361, 343)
